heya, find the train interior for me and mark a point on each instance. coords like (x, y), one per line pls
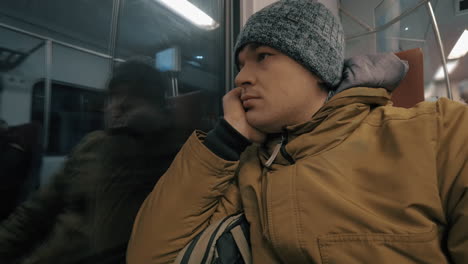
(56, 58)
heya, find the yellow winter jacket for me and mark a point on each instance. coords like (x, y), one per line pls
(365, 183)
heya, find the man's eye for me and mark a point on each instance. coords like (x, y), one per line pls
(263, 56)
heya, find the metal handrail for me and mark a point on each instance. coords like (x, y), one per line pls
(441, 47)
(62, 43)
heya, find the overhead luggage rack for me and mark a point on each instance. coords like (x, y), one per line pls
(10, 59)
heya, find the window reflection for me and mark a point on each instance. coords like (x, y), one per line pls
(192, 56)
(75, 111)
(71, 50)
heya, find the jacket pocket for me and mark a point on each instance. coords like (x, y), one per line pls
(381, 248)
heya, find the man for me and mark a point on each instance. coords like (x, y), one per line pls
(337, 175)
(86, 213)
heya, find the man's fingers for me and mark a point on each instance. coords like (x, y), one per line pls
(234, 114)
(234, 94)
(232, 105)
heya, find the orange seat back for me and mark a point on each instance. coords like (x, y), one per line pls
(411, 89)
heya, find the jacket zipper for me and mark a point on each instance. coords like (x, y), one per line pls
(280, 147)
(284, 141)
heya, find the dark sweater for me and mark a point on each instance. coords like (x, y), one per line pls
(225, 141)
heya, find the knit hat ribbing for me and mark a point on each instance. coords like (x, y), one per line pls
(304, 30)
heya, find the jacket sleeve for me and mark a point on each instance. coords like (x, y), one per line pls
(33, 220)
(29, 223)
(198, 187)
(452, 163)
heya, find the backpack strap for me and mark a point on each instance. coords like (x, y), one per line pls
(195, 250)
(242, 244)
(202, 249)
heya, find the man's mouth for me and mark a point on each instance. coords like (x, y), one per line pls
(247, 103)
(247, 97)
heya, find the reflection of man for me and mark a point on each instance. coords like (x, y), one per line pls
(338, 175)
(85, 214)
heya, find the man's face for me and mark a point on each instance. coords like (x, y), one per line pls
(277, 91)
(134, 112)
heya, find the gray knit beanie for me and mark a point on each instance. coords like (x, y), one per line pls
(304, 30)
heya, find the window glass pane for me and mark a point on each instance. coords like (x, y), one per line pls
(75, 111)
(77, 99)
(22, 60)
(22, 63)
(192, 57)
(73, 50)
(81, 22)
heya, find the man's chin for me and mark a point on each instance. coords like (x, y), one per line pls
(112, 123)
(263, 125)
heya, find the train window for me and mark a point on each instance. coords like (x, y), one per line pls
(21, 64)
(193, 55)
(80, 43)
(56, 59)
(81, 23)
(74, 112)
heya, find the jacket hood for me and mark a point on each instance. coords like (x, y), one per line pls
(356, 95)
(332, 124)
(367, 79)
(384, 70)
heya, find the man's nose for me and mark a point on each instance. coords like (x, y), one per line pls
(245, 77)
(117, 110)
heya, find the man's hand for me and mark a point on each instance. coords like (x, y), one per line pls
(234, 114)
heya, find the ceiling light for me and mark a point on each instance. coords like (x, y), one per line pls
(451, 65)
(461, 47)
(406, 28)
(190, 12)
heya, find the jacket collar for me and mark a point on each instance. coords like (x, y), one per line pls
(332, 124)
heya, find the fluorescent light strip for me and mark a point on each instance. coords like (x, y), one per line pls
(451, 66)
(190, 12)
(461, 47)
